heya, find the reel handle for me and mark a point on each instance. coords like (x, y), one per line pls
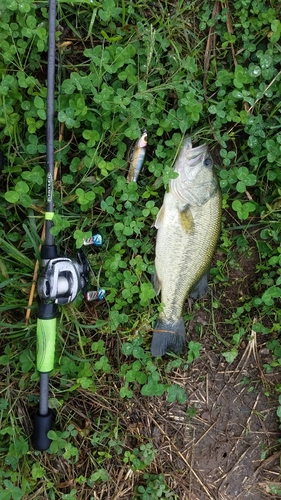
(42, 424)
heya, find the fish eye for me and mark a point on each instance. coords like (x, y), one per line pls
(208, 162)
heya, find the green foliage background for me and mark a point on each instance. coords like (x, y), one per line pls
(123, 67)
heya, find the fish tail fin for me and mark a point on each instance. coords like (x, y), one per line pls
(168, 336)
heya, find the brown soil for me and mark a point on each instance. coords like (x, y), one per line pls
(227, 451)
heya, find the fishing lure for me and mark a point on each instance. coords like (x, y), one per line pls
(137, 158)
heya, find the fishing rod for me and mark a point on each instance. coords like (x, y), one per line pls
(61, 278)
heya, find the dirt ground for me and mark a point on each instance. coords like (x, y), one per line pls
(228, 450)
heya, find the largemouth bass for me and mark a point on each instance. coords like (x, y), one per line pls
(188, 225)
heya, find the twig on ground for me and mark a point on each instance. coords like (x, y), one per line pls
(210, 45)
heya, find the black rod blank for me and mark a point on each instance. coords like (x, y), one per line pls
(49, 240)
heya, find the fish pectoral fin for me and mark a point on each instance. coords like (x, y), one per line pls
(156, 283)
(200, 288)
(186, 220)
(160, 217)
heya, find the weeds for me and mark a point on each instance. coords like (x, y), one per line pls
(121, 68)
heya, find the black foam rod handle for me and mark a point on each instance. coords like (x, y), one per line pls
(42, 425)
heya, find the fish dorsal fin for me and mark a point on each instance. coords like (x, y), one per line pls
(160, 217)
(186, 220)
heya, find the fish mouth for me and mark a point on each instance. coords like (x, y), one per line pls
(194, 155)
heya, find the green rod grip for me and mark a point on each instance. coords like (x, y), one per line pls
(46, 340)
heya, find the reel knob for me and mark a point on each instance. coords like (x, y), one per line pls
(95, 295)
(95, 240)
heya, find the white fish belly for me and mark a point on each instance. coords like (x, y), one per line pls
(184, 253)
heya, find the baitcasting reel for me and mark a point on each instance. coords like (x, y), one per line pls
(62, 278)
